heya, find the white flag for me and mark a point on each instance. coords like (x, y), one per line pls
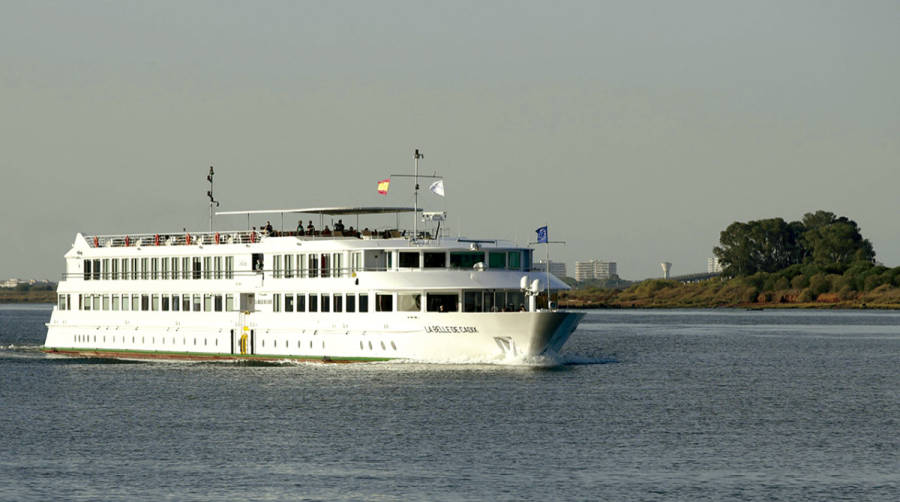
(437, 187)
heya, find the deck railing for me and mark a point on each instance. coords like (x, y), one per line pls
(229, 237)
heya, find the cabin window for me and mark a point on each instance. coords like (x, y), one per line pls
(515, 300)
(288, 266)
(176, 301)
(409, 259)
(526, 259)
(195, 268)
(325, 302)
(115, 269)
(196, 302)
(473, 301)
(87, 270)
(145, 268)
(515, 260)
(62, 302)
(337, 265)
(105, 302)
(165, 303)
(95, 302)
(115, 302)
(87, 302)
(95, 269)
(145, 302)
(126, 302)
(185, 267)
(363, 302)
(276, 266)
(465, 259)
(301, 265)
(435, 260)
(155, 303)
(207, 303)
(154, 268)
(313, 302)
(135, 302)
(313, 263)
(164, 267)
(229, 303)
(134, 269)
(384, 302)
(106, 269)
(218, 266)
(288, 303)
(325, 264)
(351, 302)
(186, 303)
(258, 262)
(217, 303)
(338, 303)
(124, 266)
(207, 267)
(229, 267)
(441, 302)
(409, 302)
(356, 261)
(276, 302)
(497, 260)
(175, 273)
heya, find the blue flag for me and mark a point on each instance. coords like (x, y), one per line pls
(542, 234)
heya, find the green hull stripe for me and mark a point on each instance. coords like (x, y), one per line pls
(157, 354)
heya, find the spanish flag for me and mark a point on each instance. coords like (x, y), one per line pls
(383, 186)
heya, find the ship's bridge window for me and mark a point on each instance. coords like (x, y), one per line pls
(465, 259)
(497, 259)
(473, 301)
(442, 302)
(87, 270)
(515, 260)
(409, 259)
(435, 260)
(409, 302)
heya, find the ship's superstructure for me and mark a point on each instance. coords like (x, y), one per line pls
(335, 295)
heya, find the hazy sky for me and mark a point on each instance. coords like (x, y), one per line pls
(637, 130)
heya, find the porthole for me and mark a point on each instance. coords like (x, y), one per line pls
(310, 344)
(204, 342)
(323, 344)
(104, 338)
(393, 345)
(275, 344)
(298, 344)
(142, 340)
(217, 342)
(195, 341)
(263, 343)
(361, 345)
(370, 345)
(383, 347)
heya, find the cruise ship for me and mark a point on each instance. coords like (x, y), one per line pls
(313, 294)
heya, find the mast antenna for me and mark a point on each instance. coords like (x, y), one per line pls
(418, 156)
(209, 193)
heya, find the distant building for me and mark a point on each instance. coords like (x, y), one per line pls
(713, 265)
(11, 283)
(557, 268)
(595, 269)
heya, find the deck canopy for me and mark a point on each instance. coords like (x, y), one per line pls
(331, 211)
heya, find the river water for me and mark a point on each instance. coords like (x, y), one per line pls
(640, 405)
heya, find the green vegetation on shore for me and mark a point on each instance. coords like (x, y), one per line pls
(821, 261)
(13, 295)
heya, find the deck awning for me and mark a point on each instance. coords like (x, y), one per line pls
(340, 210)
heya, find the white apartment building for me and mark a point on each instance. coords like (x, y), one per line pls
(713, 265)
(557, 268)
(595, 269)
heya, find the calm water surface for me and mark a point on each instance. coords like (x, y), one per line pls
(643, 405)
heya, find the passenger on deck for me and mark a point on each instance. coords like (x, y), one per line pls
(300, 227)
(326, 231)
(339, 226)
(351, 232)
(269, 230)
(310, 229)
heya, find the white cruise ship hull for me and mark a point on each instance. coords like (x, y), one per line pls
(345, 337)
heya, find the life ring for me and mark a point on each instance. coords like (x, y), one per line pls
(156, 239)
(187, 239)
(217, 237)
(252, 236)
(96, 242)
(127, 242)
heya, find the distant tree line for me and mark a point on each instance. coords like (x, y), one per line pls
(821, 241)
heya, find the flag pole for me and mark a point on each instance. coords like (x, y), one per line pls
(417, 156)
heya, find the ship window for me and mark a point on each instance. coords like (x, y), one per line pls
(326, 264)
(442, 302)
(105, 302)
(95, 302)
(516, 300)
(134, 269)
(363, 302)
(126, 302)
(409, 302)
(186, 303)
(165, 303)
(337, 264)
(384, 302)
(196, 302)
(145, 302)
(135, 302)
(497, 260)
(276, 266)
(154, 268)
(276, 302)
(301, 302)
(185, 267)
(95, 267)
(473, 301)
(176, 302)
(409, 259)
(207, 303)
(195, 267)
(229, 303)
(83, 303)
(338, 303)
(87, 270)
(301, 265)
(207, 267)
(124, 266)
(288, 303)
(155, 303)
(174, 262)
(258, 263)
(313, 303)
(106, 269)
(356, 261)
(164, 267)
(325, 302)
(515, 260)
(145, 268)
(313, 263)
(465, 259)
(115, 268)
(62, 302)
(115, 302)
(351, 302)
(526, 259)
(229, 267)
(435, 260)
(288, 266)
(218, 266)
